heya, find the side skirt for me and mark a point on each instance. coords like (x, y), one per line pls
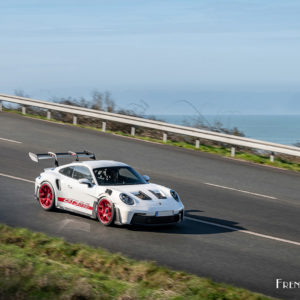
(77, 212)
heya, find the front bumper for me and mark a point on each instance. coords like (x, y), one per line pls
(142, 219)
(168, 214)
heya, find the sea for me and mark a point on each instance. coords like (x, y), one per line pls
(282, 129)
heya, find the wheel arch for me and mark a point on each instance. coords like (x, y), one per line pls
(99, 198)
(49, 180)
(110, 200)
(53, 192)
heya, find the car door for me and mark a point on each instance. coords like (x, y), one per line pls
(83, 195)
(65, 183)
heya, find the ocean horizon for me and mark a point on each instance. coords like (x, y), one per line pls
(282, 129)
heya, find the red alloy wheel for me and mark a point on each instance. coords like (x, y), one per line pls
(45, 196)
(105, 211)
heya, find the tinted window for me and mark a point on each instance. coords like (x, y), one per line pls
(118, 176)
(67, 171)
(127, 174)
(82, 172)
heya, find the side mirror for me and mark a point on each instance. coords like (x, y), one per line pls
(146, 177)
(85, 181)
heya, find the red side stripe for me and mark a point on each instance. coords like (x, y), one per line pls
(73, 202)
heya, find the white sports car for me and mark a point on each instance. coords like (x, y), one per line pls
(108, 190)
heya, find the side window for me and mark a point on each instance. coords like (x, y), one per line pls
(82, 172)
(68, 171)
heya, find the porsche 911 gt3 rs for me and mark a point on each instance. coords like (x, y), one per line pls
(108, 190)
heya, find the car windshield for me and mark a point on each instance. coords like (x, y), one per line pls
(118, 176)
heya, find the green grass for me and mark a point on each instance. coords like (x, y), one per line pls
(259, 159)
(36, 266)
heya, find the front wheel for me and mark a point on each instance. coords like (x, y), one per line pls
(105, 212)
(46, 196)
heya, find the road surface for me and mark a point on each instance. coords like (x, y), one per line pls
(242, 221)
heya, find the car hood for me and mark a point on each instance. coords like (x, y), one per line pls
(140, 190)
(145, 188)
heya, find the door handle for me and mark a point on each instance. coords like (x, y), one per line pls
(69, 186)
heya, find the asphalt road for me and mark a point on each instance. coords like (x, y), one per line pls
(240, 197)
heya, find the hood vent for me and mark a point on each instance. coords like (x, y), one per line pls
(158, 194)
(141, 195)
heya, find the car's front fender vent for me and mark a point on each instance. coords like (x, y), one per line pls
(108, 191)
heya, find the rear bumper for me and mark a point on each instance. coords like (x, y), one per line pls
(142, 219)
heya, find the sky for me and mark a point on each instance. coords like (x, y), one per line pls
(222, 56)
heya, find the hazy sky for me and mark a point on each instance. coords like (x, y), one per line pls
(223, 56)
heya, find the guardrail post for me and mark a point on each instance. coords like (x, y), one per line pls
(74, 120)
(272, 157)
(197, 144)
(1, 106)
(23, 110)
(48, 114)
(133, 131)
(103, 126)
(165, 137)
(232, 151)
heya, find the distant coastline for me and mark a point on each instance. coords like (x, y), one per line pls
(282, 129)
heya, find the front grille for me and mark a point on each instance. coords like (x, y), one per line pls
(151, 220)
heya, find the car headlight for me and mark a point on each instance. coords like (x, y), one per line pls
(126, 199)
(175, 195)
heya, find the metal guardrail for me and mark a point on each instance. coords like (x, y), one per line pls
(146, 123)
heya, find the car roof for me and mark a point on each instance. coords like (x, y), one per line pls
(94, 164)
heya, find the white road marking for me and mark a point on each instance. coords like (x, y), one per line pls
(17, 178)
(200, 221)
(241, 191)
(12, 141)
(244, 231)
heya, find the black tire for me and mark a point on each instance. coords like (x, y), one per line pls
(105, 212)
(46, 196)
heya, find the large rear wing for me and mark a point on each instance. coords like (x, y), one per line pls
(55, 156)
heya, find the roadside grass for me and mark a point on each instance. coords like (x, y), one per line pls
(36, 266)
(222, 151)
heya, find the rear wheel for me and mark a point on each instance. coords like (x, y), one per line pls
(46, 196)
(105, 212)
